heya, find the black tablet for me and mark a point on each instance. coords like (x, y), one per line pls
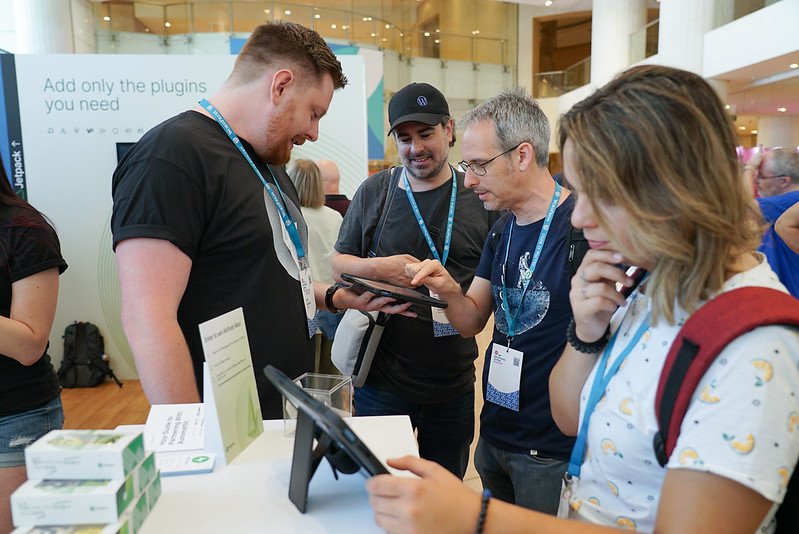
(346, 452)
(386, 289)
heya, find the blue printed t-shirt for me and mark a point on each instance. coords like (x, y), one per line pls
(540, 332)
(783, 260)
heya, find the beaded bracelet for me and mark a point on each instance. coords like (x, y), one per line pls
(483, 509)
(582, 346)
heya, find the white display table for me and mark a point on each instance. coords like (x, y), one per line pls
(251, 493)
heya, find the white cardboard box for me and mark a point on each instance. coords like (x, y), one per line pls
(84, 454)
(69, 502)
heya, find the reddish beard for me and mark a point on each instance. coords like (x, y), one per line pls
(277, 140)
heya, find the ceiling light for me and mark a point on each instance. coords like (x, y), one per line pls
(333, 26)
(782, 110)
(287, 12)
(427, 34)
(168, 24)
(794, 65)
(106, 18)
(754, 132)
(438, 41)
(742, 128)
(727, 106)
(374, 34)
(388, 26)
(548, 3)
(317, 16)
(266, 11)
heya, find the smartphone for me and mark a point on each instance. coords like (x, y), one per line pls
(637, 274)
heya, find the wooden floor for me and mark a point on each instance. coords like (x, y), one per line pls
(105, 406)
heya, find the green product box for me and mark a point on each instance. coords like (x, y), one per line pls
(68, 502)
(63, 502)
(84, 454)
(120, 527)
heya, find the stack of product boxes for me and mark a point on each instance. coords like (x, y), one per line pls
(101, 480)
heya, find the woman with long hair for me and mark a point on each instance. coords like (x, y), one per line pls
(30, 395)
(651, 157)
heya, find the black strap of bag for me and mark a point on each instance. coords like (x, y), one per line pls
(392, 189)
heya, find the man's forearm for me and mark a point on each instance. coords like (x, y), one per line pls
(164, 363)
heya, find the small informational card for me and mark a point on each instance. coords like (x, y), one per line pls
(184, 463)
(175, 427)
(232, 410)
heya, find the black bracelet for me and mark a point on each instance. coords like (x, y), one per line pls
(481, 519)
(582, 346)
(329, 299)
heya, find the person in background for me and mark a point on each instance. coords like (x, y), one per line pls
(205, 220)
(624, 149)
(523, 280)
(423, 367)
(30, 395)
(787, 227)
(323, 225)
(331, 178)
(776, 181)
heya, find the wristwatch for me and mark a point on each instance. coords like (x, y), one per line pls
(329, 299)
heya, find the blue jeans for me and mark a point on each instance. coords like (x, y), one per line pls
(523, 479)
(20, 430)
(444, 430)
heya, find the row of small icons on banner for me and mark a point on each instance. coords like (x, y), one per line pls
(96, 131)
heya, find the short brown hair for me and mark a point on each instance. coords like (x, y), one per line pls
(307, 180)
(278, 42)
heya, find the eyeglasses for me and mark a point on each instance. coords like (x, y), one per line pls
(480, 168)
(761, 177)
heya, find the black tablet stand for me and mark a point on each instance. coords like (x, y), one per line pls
(306, 458)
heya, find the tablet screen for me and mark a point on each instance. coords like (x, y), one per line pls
(387, 289)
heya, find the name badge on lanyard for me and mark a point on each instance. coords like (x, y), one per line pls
(291, 236)
(441, 325)
(505, 366)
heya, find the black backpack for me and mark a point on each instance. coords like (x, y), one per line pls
(701, 338)
(83, 365)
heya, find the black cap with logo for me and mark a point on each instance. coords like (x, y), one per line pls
(417, 102)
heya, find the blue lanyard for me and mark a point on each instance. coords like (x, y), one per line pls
(528, 276)
(423, 226)
(600, 383)
(289, 223)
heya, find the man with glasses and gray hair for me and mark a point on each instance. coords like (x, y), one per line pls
(523, 279)
(777, 184)
(423, 367)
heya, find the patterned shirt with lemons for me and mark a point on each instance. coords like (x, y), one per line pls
(742, 422)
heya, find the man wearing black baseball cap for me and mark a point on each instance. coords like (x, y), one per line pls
(422, 368)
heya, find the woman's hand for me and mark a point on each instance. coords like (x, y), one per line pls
(593, 293)
(437, 502)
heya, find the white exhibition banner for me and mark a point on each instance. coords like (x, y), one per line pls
(232, 410)
(79, 113)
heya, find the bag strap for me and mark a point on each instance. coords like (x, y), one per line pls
(703, 336)
(392, 189)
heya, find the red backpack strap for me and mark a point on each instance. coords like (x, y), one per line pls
(703, 336)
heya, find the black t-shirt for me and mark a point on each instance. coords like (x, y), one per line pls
(410, 361)
(28, 245)
(187, 183)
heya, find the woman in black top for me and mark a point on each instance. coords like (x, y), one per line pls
(30, 402)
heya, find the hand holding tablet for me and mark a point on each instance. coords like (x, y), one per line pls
(386, 289)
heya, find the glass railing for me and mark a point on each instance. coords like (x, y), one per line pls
(644, 42)
(555, 83)
(230, 16)
(726, 11)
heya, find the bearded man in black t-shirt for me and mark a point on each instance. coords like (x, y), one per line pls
(423, 368)
(197, 234)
